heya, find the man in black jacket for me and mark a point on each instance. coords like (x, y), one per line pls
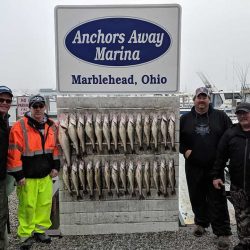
(200, 131)
(5, 102)
(235, 145)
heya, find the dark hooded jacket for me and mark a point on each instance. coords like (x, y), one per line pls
(234, 145)
(4, 141)
(201, 134)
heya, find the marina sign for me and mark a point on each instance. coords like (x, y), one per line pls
(117, 49)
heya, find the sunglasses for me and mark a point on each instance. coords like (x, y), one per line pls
(8, 101)
(36, 106)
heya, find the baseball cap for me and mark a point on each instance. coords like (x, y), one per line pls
(4, 89)
(36, 99)
(243, 106)
(202, 90)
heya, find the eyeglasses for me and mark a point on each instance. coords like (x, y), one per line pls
(8, 101)
(36, 106)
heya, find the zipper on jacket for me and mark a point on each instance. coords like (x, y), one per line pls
(245, 163)
(44, 137)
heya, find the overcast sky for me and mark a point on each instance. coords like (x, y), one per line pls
(215, 39)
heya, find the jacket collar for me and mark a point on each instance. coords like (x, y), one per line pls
(37, 124)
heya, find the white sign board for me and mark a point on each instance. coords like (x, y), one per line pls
(22, 105)
(118, 48)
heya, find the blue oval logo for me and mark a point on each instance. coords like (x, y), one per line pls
(117, 41)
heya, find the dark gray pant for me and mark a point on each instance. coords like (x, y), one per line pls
(241, 203)
(208, 204)
(3, 214)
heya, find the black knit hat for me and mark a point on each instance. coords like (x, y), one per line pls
(36, 99)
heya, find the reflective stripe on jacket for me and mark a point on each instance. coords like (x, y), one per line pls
(32, 154)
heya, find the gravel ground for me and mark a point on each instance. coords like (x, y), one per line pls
(181, 240)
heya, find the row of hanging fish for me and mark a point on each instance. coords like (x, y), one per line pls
(116, 176)
(81, 130)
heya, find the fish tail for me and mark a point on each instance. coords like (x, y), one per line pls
(141, 197)
(78, 197)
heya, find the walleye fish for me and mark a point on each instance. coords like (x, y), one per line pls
(122, 132)
(107, 176)
(147, 178)
(131, 131)
(82, 176)
(154, 130)
(98, 130)
(80, 132)
(64, 140)
(90, 179)
(66, 178)
(171, 130)
(146, 129)
(98, 178)
(139, 130)
(89, 129)
(131, 178)
(114, 131)
(139, 175)
(164, 177)
(74, 178)
(164, 128)
(106, 130)
(156, 177)
(123, 176)
(115, 177)
(72, 133)
(64, 120)
(171, 176)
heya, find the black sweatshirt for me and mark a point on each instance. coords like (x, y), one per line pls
(234, 145)
(201, 134)
(4, 142)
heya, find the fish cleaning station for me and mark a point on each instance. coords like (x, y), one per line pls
(118, 118)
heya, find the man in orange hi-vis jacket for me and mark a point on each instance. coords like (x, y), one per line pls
(33, 159)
